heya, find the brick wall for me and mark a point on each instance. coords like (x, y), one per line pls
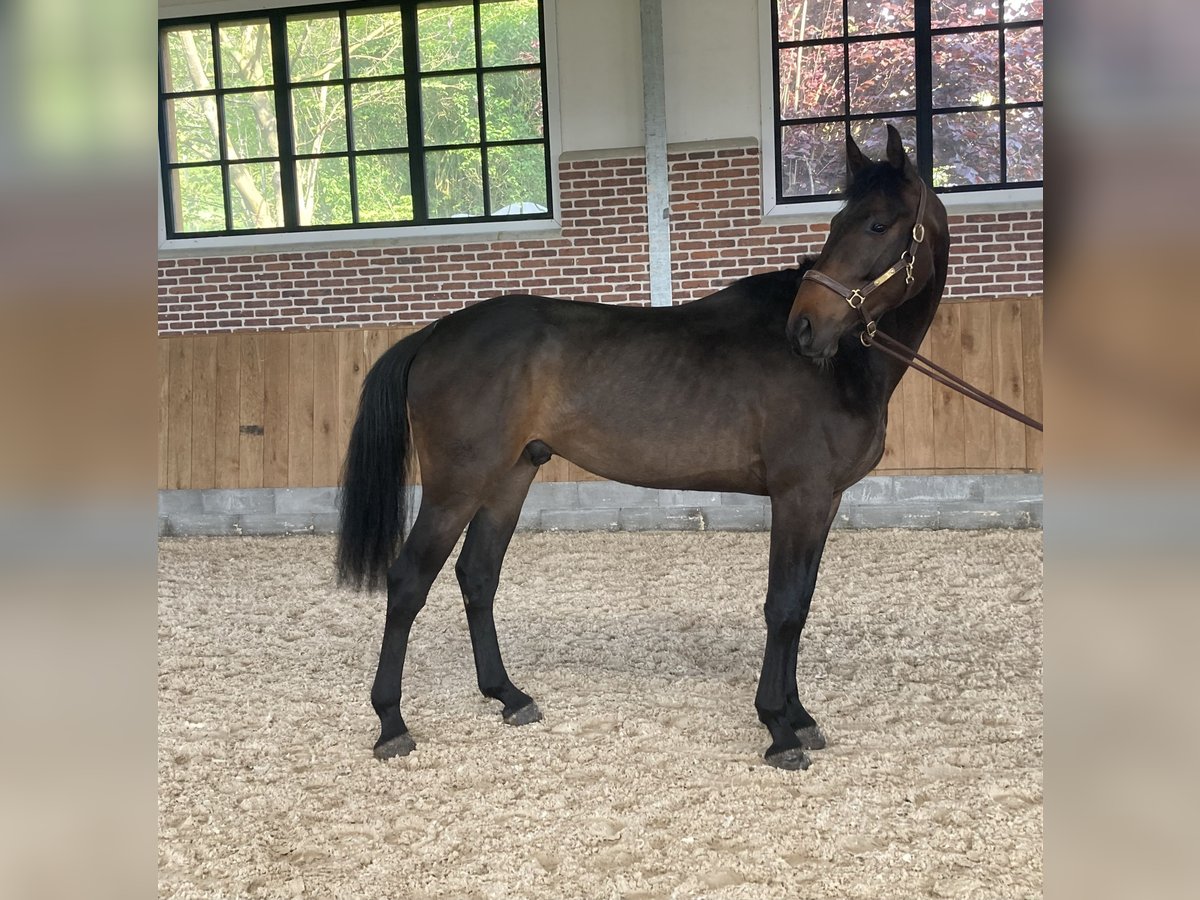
(601, 254)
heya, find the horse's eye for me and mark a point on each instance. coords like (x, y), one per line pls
(878, 227)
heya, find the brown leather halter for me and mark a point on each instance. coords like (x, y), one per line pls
(872, 336)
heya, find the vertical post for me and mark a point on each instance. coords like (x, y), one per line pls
(654, 101)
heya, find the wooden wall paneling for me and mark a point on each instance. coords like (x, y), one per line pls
(893, 442)
(945, 344)
(164, 408)
(276, 382)
(918, 418)
(179, 414)
(351, 368)
(1010, 382)
(204, 411)
(252, 410)
(300, 410)
(228, 415)
(1031, 335)
(979, 437)
(326, 451)
(394, 336)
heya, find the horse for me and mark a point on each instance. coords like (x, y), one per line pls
(766, 387)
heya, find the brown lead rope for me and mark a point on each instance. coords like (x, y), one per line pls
(898, 351)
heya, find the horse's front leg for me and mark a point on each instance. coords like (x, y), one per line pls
(799, 526)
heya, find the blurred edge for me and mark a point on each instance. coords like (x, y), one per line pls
(1123, 414)
(77, 417)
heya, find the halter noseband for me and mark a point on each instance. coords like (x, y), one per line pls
(857, 297)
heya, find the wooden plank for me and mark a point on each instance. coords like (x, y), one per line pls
(1010, 382)
(228, 418)
(204, 412)
(276, 376)
(893, 444)
(979, 436)
(326, 453)
(251, 394)
(945, 344)
(179, 414)
(1031, 333)
(351, 368)
(164, 405)
(300, 410)
(376, 341)
(918, 418)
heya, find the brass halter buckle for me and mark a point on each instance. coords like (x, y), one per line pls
(867, 335)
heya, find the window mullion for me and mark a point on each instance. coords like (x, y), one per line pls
(483, 147)
(283, 121)
(219, 99)
(353, 172)
(922, 23)
(412, 103)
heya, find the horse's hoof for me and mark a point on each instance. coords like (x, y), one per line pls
(791, 759)
(526, 715)
(400, 745)
(811, 738)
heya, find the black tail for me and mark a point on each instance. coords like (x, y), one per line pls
(374, 477)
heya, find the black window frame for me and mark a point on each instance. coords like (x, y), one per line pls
(922, 35)
(281, 87)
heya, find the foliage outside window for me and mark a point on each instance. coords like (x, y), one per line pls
(960, 79)
(353, 116)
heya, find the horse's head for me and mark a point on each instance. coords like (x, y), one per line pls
(879, 253)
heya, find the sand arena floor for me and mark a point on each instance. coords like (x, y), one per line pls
(921, 659)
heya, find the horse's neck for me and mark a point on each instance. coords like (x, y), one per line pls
(909, 323)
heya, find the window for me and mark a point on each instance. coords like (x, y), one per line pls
(354, 116)
(960, 79)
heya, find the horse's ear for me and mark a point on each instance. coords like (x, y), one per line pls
(895, 149)
(854, 156)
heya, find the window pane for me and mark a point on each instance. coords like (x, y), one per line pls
(323, 186)
(380, 116)
(517, 179)
(319, 119)
(802, 20)
(878, 16)
(512, 103)
(1023, 138)
(813, 159)
(1023, 64)
(314, 48)
(190, 131)
(245, 54)
(256, 195)
(454, 179)
(198, 199)
(446, 34)
(510, 32)
(811, 82)
(871, 136)
(962, 13)
(966, 69)
(250, 125)
(450, 107)
(376, 44)
(189, 60)
(384, 191)
(966, 149)
(1019, 10)
(882, 76)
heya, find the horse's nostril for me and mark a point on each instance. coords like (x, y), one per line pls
(803, 332)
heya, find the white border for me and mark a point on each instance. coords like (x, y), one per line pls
(370, 237)
(956, 202)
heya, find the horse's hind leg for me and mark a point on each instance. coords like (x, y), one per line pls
(478, 571)
(409, 578)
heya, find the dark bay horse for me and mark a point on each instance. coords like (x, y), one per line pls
(738, 391)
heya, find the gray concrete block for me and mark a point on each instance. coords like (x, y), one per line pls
(1034, 510)
(579, 519)
(973, 518)
(179, 502)
(164, 526)
(613, 495)
(874, 489)
(908, 515)
(692, 499)
(530, 520)
(734, 518)
(325, 523)
(1012, 487)
(274, 523)
(202, 524)
(306, 501)
(940, 488)
(659, 518)
(553, 495)
(728, 498)
(239, 501)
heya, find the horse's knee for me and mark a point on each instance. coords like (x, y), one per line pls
(405, 595)
(785, 615)
(478, 584)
